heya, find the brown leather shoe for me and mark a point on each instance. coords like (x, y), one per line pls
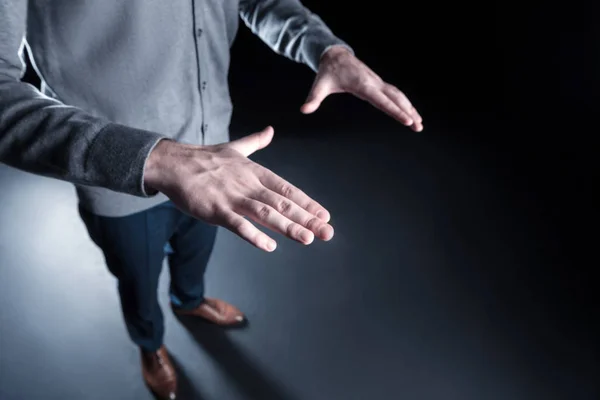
(216, 311)
(159, 373)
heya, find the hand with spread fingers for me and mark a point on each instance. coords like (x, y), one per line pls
(341, 72)
(219, 184)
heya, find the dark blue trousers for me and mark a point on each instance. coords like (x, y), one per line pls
(134, 250)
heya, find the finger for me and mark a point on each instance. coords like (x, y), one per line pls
(320, 90)
(269, 217)
(254, 142)
(417, 126)
(294, 212)
(416, 116)
(379, 99)
(244, 228)
(420, 119)
(402, 101)
(279, 185)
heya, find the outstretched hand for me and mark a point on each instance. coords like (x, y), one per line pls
(341, 72)
(220, 185)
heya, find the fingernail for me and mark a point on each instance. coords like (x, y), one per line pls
(172, 396)
(307, 237)
(239, 318)
(409, 122)
(324, 232)
(271, 245)
(322, 214)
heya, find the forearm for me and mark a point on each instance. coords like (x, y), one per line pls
(42, 136)
(290, 29)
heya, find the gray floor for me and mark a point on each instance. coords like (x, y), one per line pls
(430, 290)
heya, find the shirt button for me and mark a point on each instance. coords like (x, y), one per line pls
(199, 32)
(204, 85)
(205, 127)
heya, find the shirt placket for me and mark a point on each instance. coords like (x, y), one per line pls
(199, 31)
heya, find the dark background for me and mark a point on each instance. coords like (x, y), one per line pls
(510, 90)
(516, 81)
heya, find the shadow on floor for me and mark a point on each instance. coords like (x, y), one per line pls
(185, 388)
(250, 381)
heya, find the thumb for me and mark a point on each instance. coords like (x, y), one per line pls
(320, 90)
(254, 142)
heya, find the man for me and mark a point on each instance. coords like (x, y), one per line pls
(134, 109)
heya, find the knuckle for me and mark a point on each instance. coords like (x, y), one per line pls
(284, 207)
(293, 230)
(218, 211)
(240, 203)
(359, 81)
(286, 190)
(367, 85)
(395, 90)
(313, 222)
(391, 88)
(263, 212)
(365, 79)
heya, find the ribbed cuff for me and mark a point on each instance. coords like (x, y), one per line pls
(117, 157)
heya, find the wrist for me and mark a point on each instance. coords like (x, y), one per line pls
(334, 52)
(157, 166)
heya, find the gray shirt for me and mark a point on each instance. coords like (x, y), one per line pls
(118, 76)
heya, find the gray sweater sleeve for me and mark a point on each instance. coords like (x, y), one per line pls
(290, 29)
(43, 136)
